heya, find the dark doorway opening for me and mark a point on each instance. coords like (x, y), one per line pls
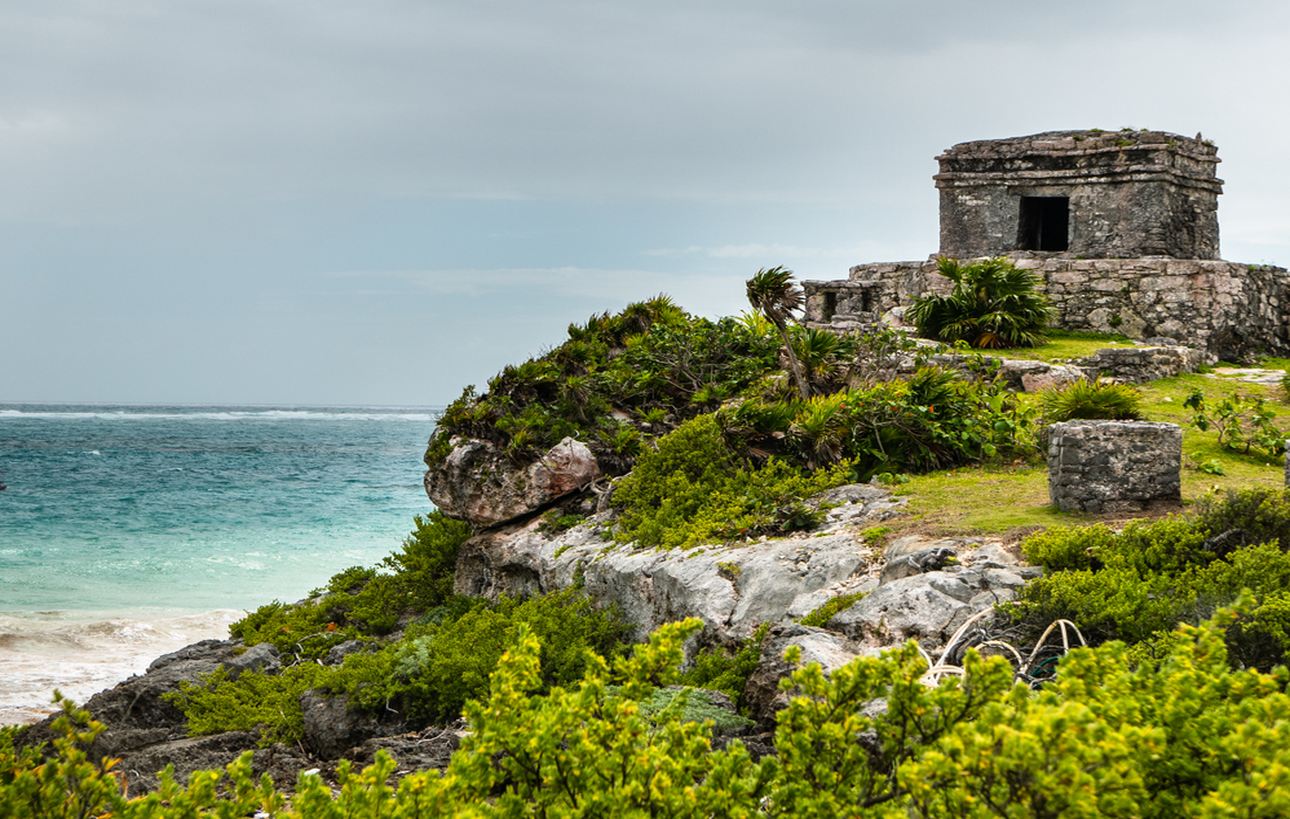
(1045, 223)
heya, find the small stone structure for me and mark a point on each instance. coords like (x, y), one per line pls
(1094, 194)
(1120, 228)
(1113, 466)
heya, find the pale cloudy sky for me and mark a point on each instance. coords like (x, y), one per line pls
(280, 201)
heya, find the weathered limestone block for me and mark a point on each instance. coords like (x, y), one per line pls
(478, 483)
(1138, 365)
(1113, 466)
(1019, 374)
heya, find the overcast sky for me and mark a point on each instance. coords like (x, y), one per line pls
(380, 202)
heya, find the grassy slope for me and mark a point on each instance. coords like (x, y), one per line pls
(1063, 345)
(1009, 499)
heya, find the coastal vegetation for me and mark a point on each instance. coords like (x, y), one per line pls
(727, 431)
(1181, 733)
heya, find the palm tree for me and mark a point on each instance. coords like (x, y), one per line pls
(776, 296)
(994, 304)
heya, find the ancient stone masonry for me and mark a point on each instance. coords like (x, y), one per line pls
(1095, 194)
(1113, 466)
(1120, 228)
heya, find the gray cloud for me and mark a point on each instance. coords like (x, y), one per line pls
(161, 155)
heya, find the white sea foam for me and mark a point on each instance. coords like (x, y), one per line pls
(220, 415)
(82, 653)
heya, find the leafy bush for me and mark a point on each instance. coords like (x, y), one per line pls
(1094, 399)
(268, 704)
(426, 676)
(727, 670)
(1139, 583)
(652, 361)
(1243, 423)
(429, 674)
(993, 304)
(1180, 734)
(693, 488)
(359, 602)
(932, 420)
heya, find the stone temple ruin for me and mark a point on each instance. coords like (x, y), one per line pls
(1121, 227)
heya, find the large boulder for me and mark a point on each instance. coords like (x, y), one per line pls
(480, 484)
(733, 589)
(331, 726)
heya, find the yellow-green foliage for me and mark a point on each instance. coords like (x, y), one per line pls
(694, 489)
(727, 669)
(932, 420)
(1182, 734)
(429, 674)
(1094, 399)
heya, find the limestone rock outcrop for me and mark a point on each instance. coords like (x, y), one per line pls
(478, 483)
(733, 589)
(930, 588)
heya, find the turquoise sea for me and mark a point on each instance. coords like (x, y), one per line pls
(127, 531)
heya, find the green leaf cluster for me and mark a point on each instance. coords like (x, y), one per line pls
(694, 488)
(425, 676)
(727, 669)
(364, 602)
(1184, 734)
(822, 615)
(993, 304)
(1243, 423)
(1138, 583)
(934, 419)
(1092, 399)
(652, 363)
(267, 704)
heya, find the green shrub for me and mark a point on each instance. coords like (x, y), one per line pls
(426, 676)
(1180, 733)
(437, 666)
(1094, 399)
(1139, 583)
(693, 488)
(250, 701)
(359, 602)
(725, 669)
(994, 303)
(1243, 424)
(651, 361)
(933, 420)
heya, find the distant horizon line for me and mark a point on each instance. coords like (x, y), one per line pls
(201, 404)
